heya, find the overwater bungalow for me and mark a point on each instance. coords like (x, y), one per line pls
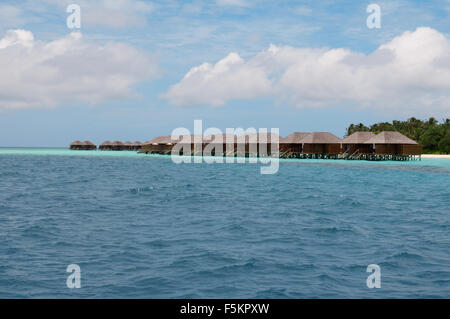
(158, 145)
(353, 144)
(127, 146)
(105, 146)
(192, 141)
(137, 146)
(393, 145)
(164, 145)
(360, 145)
(77, 145)
(321, 145)
(89, 145)
(292, 146)
(220, 144)
(257, 144)
(86, 146)
(266, 142)
(118, 146)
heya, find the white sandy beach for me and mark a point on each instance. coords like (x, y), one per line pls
(435, 156)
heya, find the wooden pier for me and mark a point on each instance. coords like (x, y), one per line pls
(292, 155)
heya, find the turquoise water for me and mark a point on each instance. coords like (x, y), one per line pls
(142, 226)
(442, 162)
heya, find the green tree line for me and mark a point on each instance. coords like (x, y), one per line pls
(432, 135)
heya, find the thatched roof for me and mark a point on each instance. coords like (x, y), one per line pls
(259, 138)
(90, 144)
(137, 143)
(321, 138)
(294, 138)
(106, 143)
(390, 137)
(220, 138)
(77, 143)
(161, 140)
(117, 143)
(358, 138)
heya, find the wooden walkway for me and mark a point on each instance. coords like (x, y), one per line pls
(341, 156)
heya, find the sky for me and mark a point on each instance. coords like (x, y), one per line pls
(138, 69)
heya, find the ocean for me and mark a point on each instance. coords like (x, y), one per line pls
(140, 226)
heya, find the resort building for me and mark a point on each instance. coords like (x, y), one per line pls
(220, 144)
(89, 145)
(127, 146)
(194, 142)
(158, 145)
(136, 146)
(359, 145)
(256, 144)
(291, 145)
(354, 143)
(85, 146)
(105, 146)
(393, 143)
(321, 145)
(117, 146)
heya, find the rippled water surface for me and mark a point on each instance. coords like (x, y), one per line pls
(142, 226)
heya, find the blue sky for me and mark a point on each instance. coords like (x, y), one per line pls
(150, 46)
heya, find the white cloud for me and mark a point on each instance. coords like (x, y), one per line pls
(411, 73)
(230, 78)
(70, 69)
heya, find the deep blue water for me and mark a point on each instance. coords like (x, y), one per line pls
(142, 226)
